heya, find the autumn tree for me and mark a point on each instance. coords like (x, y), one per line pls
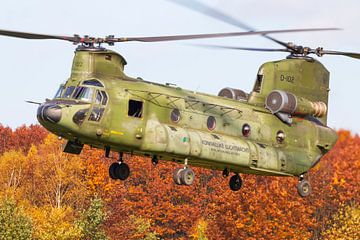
(14, 224)
(91, 221)
(56, 190)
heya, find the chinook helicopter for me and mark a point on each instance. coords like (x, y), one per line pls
(279, 129)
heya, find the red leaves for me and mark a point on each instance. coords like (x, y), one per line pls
(22, 138)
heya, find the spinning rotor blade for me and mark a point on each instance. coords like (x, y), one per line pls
(246, 48)
(297, 50)
(76, 39)
(216, 35)
(321, 52)
(34, 35)
(218, 15)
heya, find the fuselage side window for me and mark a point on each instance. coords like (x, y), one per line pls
(258, 83)
(135, 108)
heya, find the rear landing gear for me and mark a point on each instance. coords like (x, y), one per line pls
(303, 187)
(235, 182)
(184, 176)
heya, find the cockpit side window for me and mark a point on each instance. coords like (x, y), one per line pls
(69, 91)
(98, 98)
(96, 114)
(105, 97)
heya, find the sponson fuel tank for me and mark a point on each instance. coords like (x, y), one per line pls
(223, 151)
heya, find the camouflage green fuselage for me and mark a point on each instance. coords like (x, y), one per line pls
(152, 131)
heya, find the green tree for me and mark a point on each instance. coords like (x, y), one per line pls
(91, 221)
(14, 224)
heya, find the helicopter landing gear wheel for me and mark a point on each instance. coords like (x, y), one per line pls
(112, 170)
(119, 171)
(235, 182)
(187, 176)
(176, 175)
(184, 176)
(122, 171)
(304, 188)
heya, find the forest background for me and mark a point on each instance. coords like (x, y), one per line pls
(47, 194)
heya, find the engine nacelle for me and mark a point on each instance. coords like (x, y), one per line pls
(283, 102)
(233, 93)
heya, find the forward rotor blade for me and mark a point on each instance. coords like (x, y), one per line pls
(32, 102)
(247, 48)
(347, 54)
(214, 35)
(111, 40)
(27, 35)
(218, 15)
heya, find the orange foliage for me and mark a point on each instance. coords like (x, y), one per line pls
(149, 204)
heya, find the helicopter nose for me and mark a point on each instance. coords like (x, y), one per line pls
(49, 112)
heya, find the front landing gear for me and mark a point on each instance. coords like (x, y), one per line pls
(235, 182)
(119, 170)
(303, 187)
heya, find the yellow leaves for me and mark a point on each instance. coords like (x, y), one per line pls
(337, 181)
(200, 230)
(239, 224)
(142, 228)
(345, 224)
(12, 170)
(54, 223)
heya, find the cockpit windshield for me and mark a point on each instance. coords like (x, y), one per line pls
(84, 94)
(59, 92)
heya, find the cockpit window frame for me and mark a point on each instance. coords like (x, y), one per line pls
(93, 82)
(68, 92)
(80, 89)
(61, 90)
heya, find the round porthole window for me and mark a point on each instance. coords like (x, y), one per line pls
(246, 130)
(280, 136)
(211, 123)
(175, 115)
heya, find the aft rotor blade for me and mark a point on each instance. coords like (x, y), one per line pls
(214, 35)
(347, 54)
(247, 48)
(28, 35)
(218, 15)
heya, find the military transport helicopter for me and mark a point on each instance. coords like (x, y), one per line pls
(278, 129)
